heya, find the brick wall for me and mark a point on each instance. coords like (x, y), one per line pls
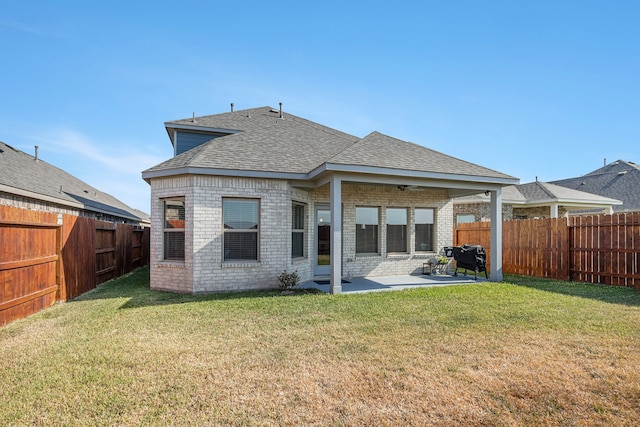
(538, 212)
(382, 264)
(170, 275)
(203, 269)
(481, 211)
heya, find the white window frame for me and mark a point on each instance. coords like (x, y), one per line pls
(297, 231)
(241, 230)
(465, 218)
(433, 229)
(377, 224)
(406, 229)
(165, 229)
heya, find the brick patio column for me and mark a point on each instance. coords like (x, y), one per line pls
(335, 188)
(496, 235)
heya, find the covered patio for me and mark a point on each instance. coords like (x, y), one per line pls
(454, 185)
(358, 285)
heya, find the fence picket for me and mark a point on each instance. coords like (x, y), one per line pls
(44, 260)
(590, 248)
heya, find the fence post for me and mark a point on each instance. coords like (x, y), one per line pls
(62, 289)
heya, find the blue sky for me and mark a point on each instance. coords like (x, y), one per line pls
(537, 88)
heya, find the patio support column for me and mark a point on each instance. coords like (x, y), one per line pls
(335, 189)
(496, 235)
(554, 210)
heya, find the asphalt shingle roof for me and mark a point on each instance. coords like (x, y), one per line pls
(542, 192)
(296, 145)
(21, 171)
(619, 180)
(379, 150)
(266, 143)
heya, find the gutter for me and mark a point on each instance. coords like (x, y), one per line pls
(63, 202)
(333, 168)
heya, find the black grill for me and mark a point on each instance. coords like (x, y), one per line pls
(470, 257)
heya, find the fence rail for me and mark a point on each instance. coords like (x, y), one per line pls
(47, 257)
(591, 248)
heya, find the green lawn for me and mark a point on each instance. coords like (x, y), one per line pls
(530, 352)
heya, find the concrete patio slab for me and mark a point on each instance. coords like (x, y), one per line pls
(395, 283)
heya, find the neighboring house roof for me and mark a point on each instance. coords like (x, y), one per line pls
(510, 195)
(24, 175)
(540, 193)
(260, 143)
(619, 180)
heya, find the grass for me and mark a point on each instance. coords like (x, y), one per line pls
(523, 352)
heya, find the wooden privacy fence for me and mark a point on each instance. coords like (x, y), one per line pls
(589, 248)
(47, 257)
(605, 249)
(30, 268)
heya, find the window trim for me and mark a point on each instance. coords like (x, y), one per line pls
(257, 230)
(406, 233)
(433, 232)
(459, 216)
(377, 251)
(302, 230)
(165, 230)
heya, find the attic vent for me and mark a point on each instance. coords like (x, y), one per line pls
(622, 173)
(279, 112)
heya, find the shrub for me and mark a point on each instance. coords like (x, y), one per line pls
(288, 279)
(442, 259)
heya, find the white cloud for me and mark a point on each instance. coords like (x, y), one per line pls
(113, 167)
(118, 156)
(21, 27)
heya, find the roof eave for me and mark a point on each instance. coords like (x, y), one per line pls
(572, 203)
(63, 202)
(172, 127)
(181, 126)
(391, 175)
(335, 167)
(38, 196)
(148, 175)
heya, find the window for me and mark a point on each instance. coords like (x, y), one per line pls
(297, 230)
(173, 229)
(241, 228)
(366, 230)
(461, 219)
(396, 230)
(424, 230)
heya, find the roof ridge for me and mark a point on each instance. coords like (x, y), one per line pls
(219, 114)
(544, 188)
(301, 120)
